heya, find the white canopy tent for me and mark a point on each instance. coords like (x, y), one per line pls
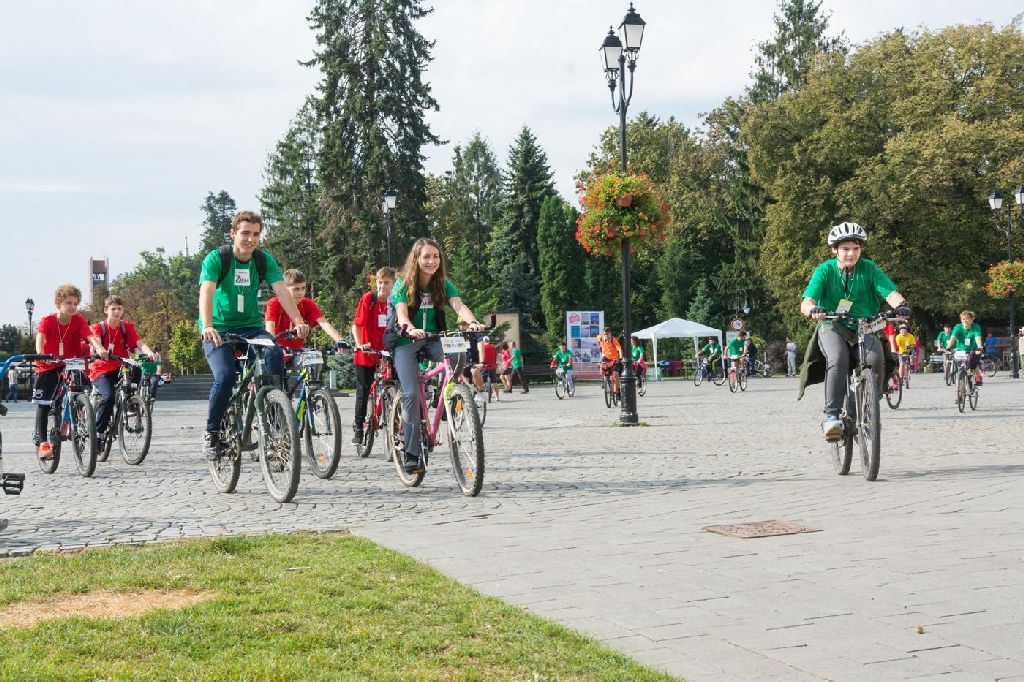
(676, 328)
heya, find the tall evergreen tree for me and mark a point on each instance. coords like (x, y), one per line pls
(218, 210)
(513, 248)
(371, 105)
(560, 258)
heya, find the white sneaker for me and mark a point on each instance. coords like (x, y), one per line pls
(832, 428)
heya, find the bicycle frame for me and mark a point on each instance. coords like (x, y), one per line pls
(434, 425)
(248, 397)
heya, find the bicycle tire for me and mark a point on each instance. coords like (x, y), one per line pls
(894, 394)
(742, 380)
(393, 431)
(607, 393)
(280, 454)
(83, 437)
(869, 424)
(972, 394)
(466, 441)
(225, 471)
(948, 374)
(54, 421)
(482, 411)
(698, 376)
(906, 380)
(769, 370)
(961, 392)
(559, 389)
(108, 438)
(365, 446)
(842, 450)
(135, 433)
(732, 381)
(993, 368)
(718, 376)
(323, 449)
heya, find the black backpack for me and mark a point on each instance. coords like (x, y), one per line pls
(259, 255)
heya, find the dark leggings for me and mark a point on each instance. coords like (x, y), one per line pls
(364, 379)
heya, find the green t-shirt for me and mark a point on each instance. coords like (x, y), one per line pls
(425, 317)
(864, 288)
(713, 350)
(149, 366)
(736, 346)
(563, 358)
(942, 339)
(517, 358)
(236, 304)
(966, 338)
(636, 352)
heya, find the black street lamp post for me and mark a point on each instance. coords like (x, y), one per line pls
(30, 306)
(387, 205)
(311, 219)
(618, 52)
(995, 202)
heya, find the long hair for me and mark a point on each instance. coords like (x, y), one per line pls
(411, 277)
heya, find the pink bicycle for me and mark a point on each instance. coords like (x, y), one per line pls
(465, 433)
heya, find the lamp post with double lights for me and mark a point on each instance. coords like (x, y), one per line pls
(387, 206)
(995, 202)
(30, 306)
(619, 53)
(311, 219)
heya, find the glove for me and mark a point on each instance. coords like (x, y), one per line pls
(903, 310)
(818, 310)
(342, 345)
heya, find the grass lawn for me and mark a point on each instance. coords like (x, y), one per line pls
(285, 607)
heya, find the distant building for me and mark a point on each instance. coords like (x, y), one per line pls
(99, 275)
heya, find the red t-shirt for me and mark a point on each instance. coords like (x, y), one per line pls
(121, 346)
(370, 318)
(68, 337)
(279, 316)
(490, 356)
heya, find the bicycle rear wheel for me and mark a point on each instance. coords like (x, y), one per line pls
(393, 434)
(869, 425)
(83, 437)
(948, 372)
(465, 441)
(894, 392)
(321, 428)
(280, 454)
(961, 392)
(225, 471)
(718, 376)
(135, 430)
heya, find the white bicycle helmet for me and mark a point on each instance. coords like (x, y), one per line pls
(844, 232)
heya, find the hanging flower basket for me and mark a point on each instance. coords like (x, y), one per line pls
(618, 205)
(1005, 278)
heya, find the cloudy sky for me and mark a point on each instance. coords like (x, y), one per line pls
(118, 116)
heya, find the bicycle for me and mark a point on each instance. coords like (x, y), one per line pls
(904, 359)
(256, 397)
(948, 369)
(610, 396)
(379, 400)
(131, 421)
(706, 370)
(316, 412)
(988, 366)
(11, 483)
(861, 415)
(562, 386)
(71, 417)
(894, 390)
(737, 376)
(966, 390)
(762, 367)
(465, 432)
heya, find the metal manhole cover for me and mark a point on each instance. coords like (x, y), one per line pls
(760, 529)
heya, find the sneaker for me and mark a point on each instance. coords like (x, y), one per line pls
(412, 464)
(45, 451)
(357, 435)
(211, 446)
(832, 428)
(977, 382)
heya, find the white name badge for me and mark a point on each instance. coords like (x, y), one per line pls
(382, 321)
(844, 306)
(426, 301)
(454, 344)
(242, 278)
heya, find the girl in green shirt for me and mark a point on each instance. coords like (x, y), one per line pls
(967, 336)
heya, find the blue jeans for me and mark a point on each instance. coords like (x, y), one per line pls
(104, 385)
(222, 363)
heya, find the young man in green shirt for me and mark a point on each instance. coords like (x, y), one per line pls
(855, 286)
(562, 359)
(517, 368)
(713, 351)
(737, 351)
(228, 302)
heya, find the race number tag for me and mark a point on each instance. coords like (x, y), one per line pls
(454, 344)
(242, 278)
(311, 358)
(241, 303)
(960, 355)
(382, 321)
(74, 364)
(844, 306)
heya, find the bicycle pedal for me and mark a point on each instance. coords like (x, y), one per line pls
(13, 484)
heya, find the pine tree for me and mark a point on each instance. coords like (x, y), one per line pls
(560, 259)
(218, 210)
(513, 248)
(370, 106)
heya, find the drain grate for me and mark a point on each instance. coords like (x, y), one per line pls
(760, 529)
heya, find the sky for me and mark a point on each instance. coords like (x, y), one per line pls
(118, 116)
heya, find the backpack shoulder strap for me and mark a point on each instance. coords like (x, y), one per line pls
(103, 333)
(225, 262)
(261, 264)
(124, 334)
(373, 296)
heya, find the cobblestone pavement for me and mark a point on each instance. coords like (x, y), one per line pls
(916, 575)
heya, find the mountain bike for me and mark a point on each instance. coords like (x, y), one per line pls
(762, 367)
(465, 433)
(382, 395)
(966, 391)
(316, 412)
(610, 396)
(71, 417)
(562, 386)
(706, 370)
(131, 420)
(894, 390)
(737, 376)
(257, 398)
(861, 415)
(11, 483)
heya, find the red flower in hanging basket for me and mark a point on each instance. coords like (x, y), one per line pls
(625, 200)
(619, 205)
(1005, 278)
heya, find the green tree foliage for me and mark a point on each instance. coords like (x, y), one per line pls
(906, 136)
(370, 107)
(560, 258)
(185, 350)
(218, 210)
(513, 248)
(701, 305)
(10, 338)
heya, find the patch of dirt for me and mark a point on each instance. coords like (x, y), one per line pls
(99, 604)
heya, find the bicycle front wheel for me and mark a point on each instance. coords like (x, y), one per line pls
(698, 376)
(396, 443)
(279, 451)
(559, 389)
(742, 381)
(54, 424)
(961, 392)
(135, 430)
(894, 392)
(83, 435)
(321, 428)
(972, 394)
(607, 393)
(225, 471)
(466, 441)
(718, 376)
(733, 384)
(869, 425)
(948, 371)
